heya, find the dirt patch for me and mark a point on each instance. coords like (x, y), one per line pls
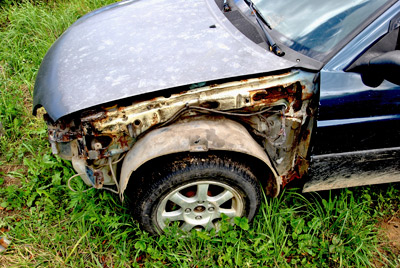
(11, 168)
(27, 97)
(5, 213)
(6, 173)
(389, 234)
(391, 230)
(10, 181)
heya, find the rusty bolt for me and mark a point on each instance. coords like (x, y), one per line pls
(97, 146)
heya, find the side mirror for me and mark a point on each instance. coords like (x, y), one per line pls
(385, 66)
(388, 66)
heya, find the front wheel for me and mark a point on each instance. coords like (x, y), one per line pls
(195, 191)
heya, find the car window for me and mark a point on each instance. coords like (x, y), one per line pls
(315, 27)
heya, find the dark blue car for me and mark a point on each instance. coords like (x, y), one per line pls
(190, 108)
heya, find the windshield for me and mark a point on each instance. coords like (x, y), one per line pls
(315, 27)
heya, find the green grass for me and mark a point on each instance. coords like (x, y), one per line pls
(50, 226)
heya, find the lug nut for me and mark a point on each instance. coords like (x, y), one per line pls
(211, 209)
(198, 218)
(187, 210)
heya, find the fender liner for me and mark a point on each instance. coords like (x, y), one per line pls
(193, 136)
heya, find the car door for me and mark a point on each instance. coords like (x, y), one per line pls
(357, 139)
(352, 115)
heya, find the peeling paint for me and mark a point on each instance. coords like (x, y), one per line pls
(277, 110)
(173, 35)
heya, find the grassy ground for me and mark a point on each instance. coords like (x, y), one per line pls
(49, 226)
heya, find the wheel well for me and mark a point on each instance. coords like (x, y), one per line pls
(261, 171)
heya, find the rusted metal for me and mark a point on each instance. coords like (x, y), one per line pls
(278, 110)
(205, 133)
(299, 169)
(99, 179)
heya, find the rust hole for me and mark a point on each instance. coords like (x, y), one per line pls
(260, 96)
(210, 104)
(137, 122)
(99, 142)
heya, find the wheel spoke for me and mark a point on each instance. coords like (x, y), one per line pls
(180, 199)
(187, 227)
(230, 212)
(202, 190)
(199, 205)
(173, 215)
(222, 197)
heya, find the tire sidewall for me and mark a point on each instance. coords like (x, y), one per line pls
(242, 181)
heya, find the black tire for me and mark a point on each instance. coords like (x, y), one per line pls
(202, 186)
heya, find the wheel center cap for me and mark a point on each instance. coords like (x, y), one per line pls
(199, 209)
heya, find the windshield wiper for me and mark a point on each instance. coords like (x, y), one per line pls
(272, 44)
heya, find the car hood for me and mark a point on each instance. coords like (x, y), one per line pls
(137, 47)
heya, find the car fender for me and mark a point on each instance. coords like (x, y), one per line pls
(194, 136)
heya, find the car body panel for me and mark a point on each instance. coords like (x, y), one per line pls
(350, 112)
(276, 109)
(199, 135)
(352, 169)
(126, 75)
(357, 141)
(137, 47)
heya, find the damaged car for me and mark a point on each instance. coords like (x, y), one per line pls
(193, 109)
